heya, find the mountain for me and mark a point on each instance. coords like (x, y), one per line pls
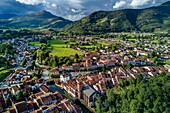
(7, 16)
(40, 19)
(148, 20)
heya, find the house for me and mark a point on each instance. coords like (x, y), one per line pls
(1, 107)
(45, 99)
(67, 68)
(167, 67)
(65, 77)
(139, 62)
(165, 56)
(114, 59)
(54, 71)
(71, 87)
(15, 90)
(100, 64)
(30, 72)
(58, 96)
(6, 93)
(44, 89)
(141, 53)
(93, 67)
(85, 92)
(149, 68)
(67, 106)
(76, 66)
(12, 110)
(24, 107)
(53, 108)
(109, 63)
(152, 73)
(89, 95)
(131, 73)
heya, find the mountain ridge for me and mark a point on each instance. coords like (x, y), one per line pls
(39, 19)
(146, 20)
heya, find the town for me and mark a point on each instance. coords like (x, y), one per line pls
(44, 73)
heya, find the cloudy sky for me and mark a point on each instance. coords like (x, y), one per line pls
(72, 9)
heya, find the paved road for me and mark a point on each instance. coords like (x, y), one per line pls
(42, 66)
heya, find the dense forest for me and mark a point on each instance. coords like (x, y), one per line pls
(137, 96)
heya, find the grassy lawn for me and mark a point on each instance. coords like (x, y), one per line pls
(35, 43)
(64, 52)
(53, 42)
(155, 41)
(4, 74)
(103, 43)
(131, 39)
(72, 42)
(167, 62)
(88, 47)
(59, 48)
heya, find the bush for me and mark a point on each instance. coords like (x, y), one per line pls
(55, 75)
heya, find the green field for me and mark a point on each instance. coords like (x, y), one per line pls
(167, 62)
(103, 43)
(88, 47)
(64, 52)
(35, 43)
(59, 48)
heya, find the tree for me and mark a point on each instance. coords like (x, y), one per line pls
(77, 56)
(24, 61)
(21, 95)
(144, 96)
(135, 106)
(35, 78)
(103, 69)
(99, 104)
(33, 64)
(54, 75)
(148, 103)
(33, 75)
(69, 62)
(54, 64)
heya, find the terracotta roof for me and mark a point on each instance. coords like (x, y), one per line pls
(58, 95)
(37, 111)
(15, 88)
(54, 70)
(46, 98)
(21, 106)
(45, 89)
(12, 110)
(39, 94)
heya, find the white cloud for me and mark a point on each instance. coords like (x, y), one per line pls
(119, 4)
(64, 8)
(76, 9)
(137, 3)
(31, 2)
(54, 5)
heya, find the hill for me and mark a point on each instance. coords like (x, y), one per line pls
(148, 20)
(40, 19)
